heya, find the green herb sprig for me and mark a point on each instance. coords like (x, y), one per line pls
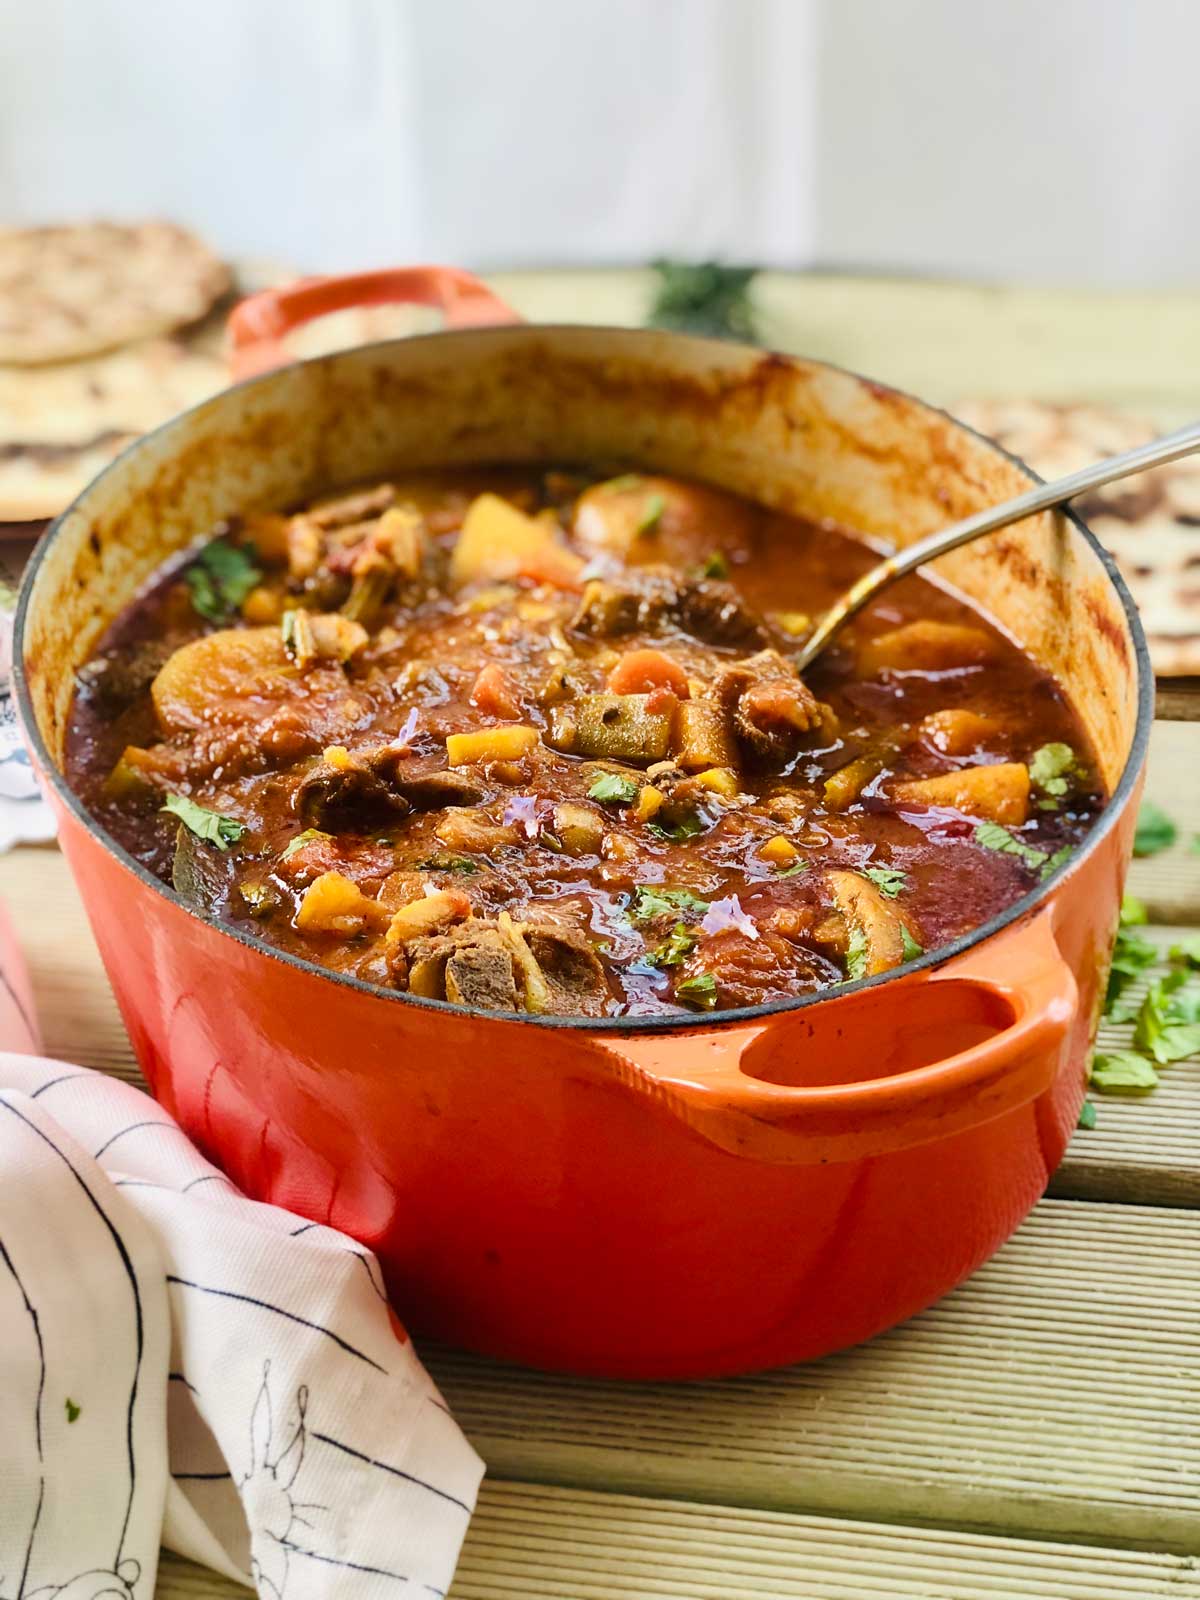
(220, 578)
(208, 825)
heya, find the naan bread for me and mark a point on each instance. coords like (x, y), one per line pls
(61, 425)
(75, 290)
(1150, 523)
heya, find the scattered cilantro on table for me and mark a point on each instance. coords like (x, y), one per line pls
(1155, 830)
(703, 297)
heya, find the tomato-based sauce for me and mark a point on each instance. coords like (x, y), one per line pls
(533, 741)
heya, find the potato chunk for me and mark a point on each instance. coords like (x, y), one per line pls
(958, 732)
(999, 794)
(332, 904)
(210, 679)
(870, 915)
(925, 646)
(497, 541)
(508, 742)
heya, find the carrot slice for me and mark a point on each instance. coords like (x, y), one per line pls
(493, 693)
(640, 671)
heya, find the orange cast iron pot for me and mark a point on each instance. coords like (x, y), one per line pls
(668, 1199)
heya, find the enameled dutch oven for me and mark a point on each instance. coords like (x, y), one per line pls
(645, 1199)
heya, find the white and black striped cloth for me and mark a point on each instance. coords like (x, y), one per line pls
(180, 1364)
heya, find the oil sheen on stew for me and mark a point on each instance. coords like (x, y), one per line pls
(534, 742)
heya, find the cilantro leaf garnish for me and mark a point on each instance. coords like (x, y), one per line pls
(449, 864)
(611, 789)
(651, 515)
(1122, 1071)
(911, 948)
(888, 880)
(994, 837)
(1155, 830)
(300, 840)
(1051, 769)
(857, 952)
(650, 902)
(687, 827)
(220, 578)
(715, 565)
(205, 824)
(699, 992)
(675, 948)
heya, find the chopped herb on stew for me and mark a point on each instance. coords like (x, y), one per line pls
(715, 565)
(699, 992)
(220, 578)
(649, 903)
(675, 948)
(858, 954)
(611, 789)
(205, 824)
(1051, 769)
(911, 948)
(449, 864)
(687, 827)
(888, 880)
(309, 836)
(652, 513)
(1155, 830)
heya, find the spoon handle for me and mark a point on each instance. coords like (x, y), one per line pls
(1040, 498)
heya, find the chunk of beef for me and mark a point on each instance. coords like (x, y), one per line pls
(110, 683)
(480, 974)
(349, 798)
(572, 970)
(715, 613)
(374, 786)
(635, 603)
(771, 710)
(470, 965)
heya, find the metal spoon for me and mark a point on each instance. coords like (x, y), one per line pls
(1041, 498)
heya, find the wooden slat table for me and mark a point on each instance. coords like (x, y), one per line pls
(1037, 1433)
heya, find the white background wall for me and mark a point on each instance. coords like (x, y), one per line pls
(1051, 140)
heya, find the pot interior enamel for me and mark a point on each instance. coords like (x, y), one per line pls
(709, 1197)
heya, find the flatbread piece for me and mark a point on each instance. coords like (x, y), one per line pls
(74, 290)
(1150, 523)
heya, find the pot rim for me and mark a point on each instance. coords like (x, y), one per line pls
(669, 1023)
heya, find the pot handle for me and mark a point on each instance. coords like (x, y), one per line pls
(713, 1081)
(259, 323)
